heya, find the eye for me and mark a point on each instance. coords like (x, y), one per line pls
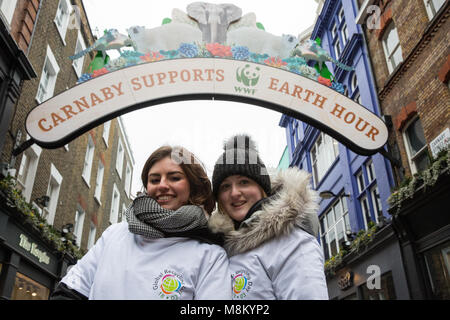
(154, 181)
(244, 181)
(224, 186)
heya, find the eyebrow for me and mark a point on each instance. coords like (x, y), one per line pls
(169, 173)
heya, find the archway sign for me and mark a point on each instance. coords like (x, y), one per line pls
(227, 57)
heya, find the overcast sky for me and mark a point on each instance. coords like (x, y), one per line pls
(201, 126)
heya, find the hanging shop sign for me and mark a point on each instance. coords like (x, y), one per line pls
(210, 52)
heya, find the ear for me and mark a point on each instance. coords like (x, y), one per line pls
(232, 12)
(197, 11)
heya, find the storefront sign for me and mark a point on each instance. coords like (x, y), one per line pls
(32, 248)
(440, 142)
(73, 112)
(346, 281)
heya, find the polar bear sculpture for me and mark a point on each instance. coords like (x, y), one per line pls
(165, 37)
(259, 41)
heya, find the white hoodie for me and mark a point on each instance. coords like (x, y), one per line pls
(123, 265)
(275, 253)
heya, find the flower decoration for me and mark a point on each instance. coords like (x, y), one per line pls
(324, 81)
(339, 87)
(84, 77)
(188, 50)
(258, 58)
(99, 72)
(170, 54)
(219, 50)
(240, 53)
(152, 57)
(275, 62)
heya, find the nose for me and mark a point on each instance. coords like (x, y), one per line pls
(163, 184)
(235, 191)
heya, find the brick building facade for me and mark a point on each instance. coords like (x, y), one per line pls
(409, 45)
(88, 181)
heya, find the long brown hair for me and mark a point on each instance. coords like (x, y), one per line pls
(200, 185)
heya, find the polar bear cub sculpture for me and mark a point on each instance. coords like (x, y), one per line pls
(259, 41)
(166, 37)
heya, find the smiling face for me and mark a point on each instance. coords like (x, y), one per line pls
(168, 185)
(237, 194)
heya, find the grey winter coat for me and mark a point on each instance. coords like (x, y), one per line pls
(275, 253)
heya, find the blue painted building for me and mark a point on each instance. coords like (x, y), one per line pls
(360, 185)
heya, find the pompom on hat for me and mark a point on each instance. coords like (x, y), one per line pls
(240, 157)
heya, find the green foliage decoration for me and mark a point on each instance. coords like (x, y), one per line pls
(27, 212)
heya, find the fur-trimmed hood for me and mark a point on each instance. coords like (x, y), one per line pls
(293, 203)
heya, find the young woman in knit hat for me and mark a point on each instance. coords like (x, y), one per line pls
(270, 226)
(164, 250)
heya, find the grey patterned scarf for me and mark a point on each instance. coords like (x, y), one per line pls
(147, 218)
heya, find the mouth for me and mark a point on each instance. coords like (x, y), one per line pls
(164, 198)
(238, 204)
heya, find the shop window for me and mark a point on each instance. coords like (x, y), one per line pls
(333, 226)
(385, 292)
(392, 48)
(7, 8)
(49, 74)
(438, 268)
(323, 154)
(433, 7)
(28, 289)
(416, 146)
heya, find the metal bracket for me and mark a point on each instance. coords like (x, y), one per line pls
(21, 148)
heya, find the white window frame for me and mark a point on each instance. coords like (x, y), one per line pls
(323, 156)
(334, 31)
(432, 7)
(411, 158)
(120, 157)
(32, 155)
(376, 202)
(88, 160)
(353, 82)
(54, 186)
(79, 224)
(122, 216)
(115, 205)
(365, 210)
(344, 34)
(47, 82)
(128, 174)
(370, 168)
(106, 129)
(360, 182)
(77, 64)
(92, 233)
(337, 49)
(341, 15)
(99, 182)
(7, 8)
(62, 18)
(344, 220)
(389, 55)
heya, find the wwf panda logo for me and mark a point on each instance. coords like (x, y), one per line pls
(248, 75)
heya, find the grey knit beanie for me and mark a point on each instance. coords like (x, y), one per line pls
(240, 157)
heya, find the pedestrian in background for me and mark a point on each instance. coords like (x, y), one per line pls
(164, 249)
(270, 228)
